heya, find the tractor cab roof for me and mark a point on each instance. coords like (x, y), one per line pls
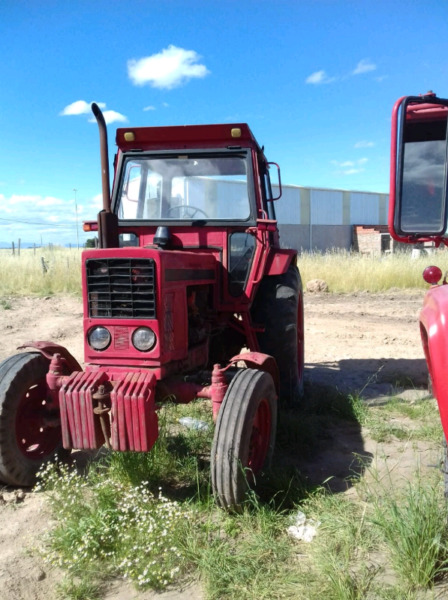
(186, 136)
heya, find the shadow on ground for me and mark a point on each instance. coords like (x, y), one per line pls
(369, 377)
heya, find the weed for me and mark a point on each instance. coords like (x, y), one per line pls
(404, 421)
(414, 526)
(341, 549)
(5, 304)
(106, 525)
(246, 556)
(82, 588)
(115, 521)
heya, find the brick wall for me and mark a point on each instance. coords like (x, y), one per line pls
(371, 239)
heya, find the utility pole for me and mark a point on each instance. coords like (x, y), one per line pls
(76, 215)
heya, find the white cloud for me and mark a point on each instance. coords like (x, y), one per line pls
(149, 108)
(364, 144)
(350, 167)
(80, 107)
(352, 171)
(364, 66)
(16, 199)
(318, 78)
(29, 217)
(97, 202)
(168, 69)
(110, 116)
(49, 201)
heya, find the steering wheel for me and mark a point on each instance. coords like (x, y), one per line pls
(187, 211)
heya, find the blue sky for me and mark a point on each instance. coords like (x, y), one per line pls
(315, 80)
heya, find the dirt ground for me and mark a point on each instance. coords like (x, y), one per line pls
(362, 342)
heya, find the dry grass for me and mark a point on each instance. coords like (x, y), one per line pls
(344, 272)
(353, 272)
(41, 272)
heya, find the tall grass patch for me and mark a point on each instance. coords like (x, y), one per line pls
(53, 270)
(353, 272)
(413, 523)
(42, 272)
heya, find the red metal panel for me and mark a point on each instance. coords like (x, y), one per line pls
(121, 337)
(80, 428)
(134, 420)
(434, 330)
(118, 418)
(186, 136)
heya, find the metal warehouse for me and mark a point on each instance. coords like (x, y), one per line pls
(321, 219)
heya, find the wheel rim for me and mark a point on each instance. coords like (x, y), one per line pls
(260, 437)
(38, 432)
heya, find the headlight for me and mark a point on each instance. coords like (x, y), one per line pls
(99, 338)
(143, 339)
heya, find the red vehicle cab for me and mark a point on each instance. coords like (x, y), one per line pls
(418, 213)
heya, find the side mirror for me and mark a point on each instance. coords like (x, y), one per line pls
(275, 181)
(418, 194)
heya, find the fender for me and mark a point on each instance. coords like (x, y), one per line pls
(279, 260)
(263, 362)
(434, 333)
(49, 349)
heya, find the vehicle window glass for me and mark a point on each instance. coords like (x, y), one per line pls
(185, 188)
(241, 251)
(423, 177)
(127, 239)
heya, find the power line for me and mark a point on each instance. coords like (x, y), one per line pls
(42, 224)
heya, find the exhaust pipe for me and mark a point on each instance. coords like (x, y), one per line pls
(104, 155)
(107, 221)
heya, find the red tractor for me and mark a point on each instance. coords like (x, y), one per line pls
(418, 213)
(189, 295)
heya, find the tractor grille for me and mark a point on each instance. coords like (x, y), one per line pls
(121, 288)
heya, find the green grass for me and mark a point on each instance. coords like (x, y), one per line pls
(340, 554)
(151, 517)
(414, 526)
(403, 420)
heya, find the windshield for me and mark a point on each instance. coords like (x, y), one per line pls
(185, 187)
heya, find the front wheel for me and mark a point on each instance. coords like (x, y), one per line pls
(244, 437)
(30, 431)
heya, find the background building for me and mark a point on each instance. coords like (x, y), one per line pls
(321, 219)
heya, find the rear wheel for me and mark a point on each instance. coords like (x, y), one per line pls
(30, 432)
(278, 306)
(244, 437)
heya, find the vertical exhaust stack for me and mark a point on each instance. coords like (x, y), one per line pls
(107, 221)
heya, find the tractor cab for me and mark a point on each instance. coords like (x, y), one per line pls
(188, 295)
